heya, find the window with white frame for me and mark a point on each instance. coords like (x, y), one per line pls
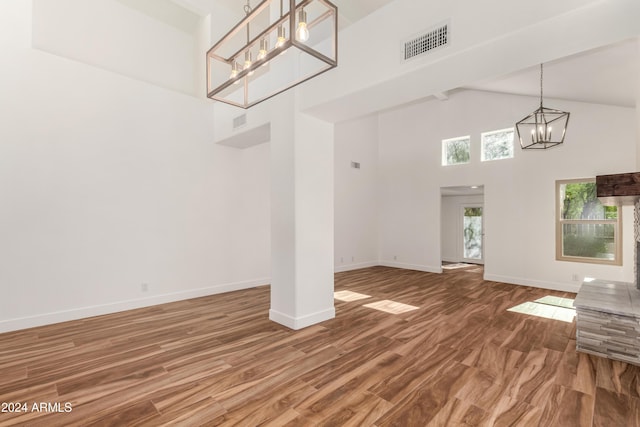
(456, 151)
(586, 230)
(497, 144)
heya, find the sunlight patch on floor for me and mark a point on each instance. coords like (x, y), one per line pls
(391, 307)
(349, 296)
(545, 310)
(557, 301)
(457, 265)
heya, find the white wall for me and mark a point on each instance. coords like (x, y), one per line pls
(451, 229)
(356, 194)
(110, 35)
(638, 118)
(15, 25)
(251, 244)
(109, 182)
(519, 193)
(638, 132)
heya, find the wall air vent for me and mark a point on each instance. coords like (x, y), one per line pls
(239, 121)
(429, 40)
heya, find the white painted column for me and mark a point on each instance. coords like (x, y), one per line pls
(638, 132)
(301, 216)
(638, 114)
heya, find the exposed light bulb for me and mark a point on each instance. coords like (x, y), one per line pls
(264, 48)
(282, 36)
(234, 72)
(247, 61)
(302, 32)
(541, 134)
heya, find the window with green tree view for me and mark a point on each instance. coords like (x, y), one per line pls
(586, 230)
(496, 145)
(456, 151)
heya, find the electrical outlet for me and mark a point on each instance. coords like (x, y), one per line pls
(575, 277)
(353, 258)
(144, 287)
(341, 259)
(395, 258)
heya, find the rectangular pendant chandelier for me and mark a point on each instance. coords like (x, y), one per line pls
(278, 45)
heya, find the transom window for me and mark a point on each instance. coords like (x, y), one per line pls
(456, 151)
(497, 144)
(586, 230)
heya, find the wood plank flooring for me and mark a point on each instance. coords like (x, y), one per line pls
(459, 359)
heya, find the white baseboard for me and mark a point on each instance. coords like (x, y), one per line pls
(296, 323)
(291, 322)
(98, 310)
(356, 266)
(425, 268)
(555, 286)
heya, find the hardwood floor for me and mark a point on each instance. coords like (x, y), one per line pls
(459, 359)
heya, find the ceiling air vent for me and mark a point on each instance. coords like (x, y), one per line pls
(239, 121)
(429, 40)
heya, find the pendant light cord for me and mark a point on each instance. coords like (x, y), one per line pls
(540, 85)
(247, 11)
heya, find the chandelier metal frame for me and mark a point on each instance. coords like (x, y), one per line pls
(536, 131)
(284, 26)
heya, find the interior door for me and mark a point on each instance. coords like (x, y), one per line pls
(473, 233)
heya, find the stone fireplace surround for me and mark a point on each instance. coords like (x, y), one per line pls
(636, 232)
(608, 313)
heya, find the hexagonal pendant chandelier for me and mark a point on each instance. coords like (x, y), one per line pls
(274, 48)
(544, 128)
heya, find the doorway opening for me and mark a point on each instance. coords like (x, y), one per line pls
(472, 233)
(462, 227)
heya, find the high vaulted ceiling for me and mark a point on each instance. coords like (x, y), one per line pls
(350, 10)
(608, 75)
